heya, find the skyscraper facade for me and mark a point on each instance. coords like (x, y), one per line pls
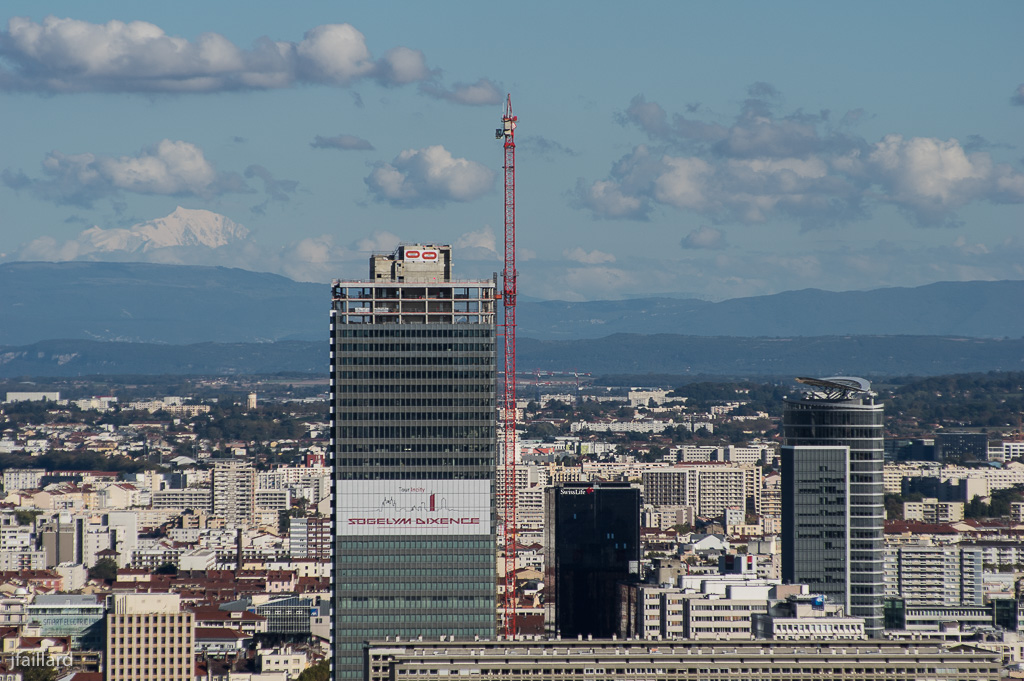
(591, 543)
(413, 389)
(837, 412)
(816, 520)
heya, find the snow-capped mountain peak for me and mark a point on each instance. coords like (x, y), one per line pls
(183, 227)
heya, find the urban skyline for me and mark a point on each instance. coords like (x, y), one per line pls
(743, 149)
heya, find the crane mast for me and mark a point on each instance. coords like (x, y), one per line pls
(508, 297)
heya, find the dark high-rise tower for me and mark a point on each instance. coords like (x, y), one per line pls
(591, 543)
(833, 497)
(413, 382)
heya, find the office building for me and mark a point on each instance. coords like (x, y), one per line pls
(550, 660)
(592, 543)
(149, 638)
(413, 389)
(234, 493)
(816, 520)
(958, 447)
(833, 496)
(79, 616)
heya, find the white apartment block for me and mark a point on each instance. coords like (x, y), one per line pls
(924, 575)
(709, 488)
(16, 479)
(234, 493)
(933, 511)
(642, 398)
(194, 498)
(1013, 450)
(640, 426)
(273, 499)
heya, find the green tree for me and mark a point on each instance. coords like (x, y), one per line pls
(321, 671)
(25, 516)
(37, 672)
(105, 569)
(166, 569)
(893, 507)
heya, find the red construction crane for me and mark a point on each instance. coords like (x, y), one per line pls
(508, 298)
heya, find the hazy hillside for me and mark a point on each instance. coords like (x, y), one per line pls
(181, 304)
(617, 354)
(985, 309)
(142, 302)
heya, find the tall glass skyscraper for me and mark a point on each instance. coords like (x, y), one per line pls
(835, 416)
(413, 389)
(591, 544)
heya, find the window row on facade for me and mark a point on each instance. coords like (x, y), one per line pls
(395, 361)
(441, 375)
(410, 347)
(435, 402)
(428, 388)
(392, 333)
(482, 415)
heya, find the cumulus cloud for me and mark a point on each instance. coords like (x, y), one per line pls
(428, 177)
(346, 142)
(172, 168)
(480, 244)
(483, 92)
(798, 166)
(928, 177)
(62, 55)
(704, 237)
(594, 257)
(378, 242)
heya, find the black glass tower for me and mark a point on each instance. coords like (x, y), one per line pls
(413, 389)
(838, 412)
(591, 543)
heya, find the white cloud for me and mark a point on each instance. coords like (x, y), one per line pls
(334, 53)
(481, 93)
(401, 66)
(429, 176)
(594, 257)
(173, 168)
(346, 142)
(480, 244)
(793, 167)
(583, 283)
(704, 237)
(606, 199)
(929, 177)
(68, 55)
(378, 242)
(683, 183)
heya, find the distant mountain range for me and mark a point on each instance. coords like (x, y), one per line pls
(180, 304)
(151, 303)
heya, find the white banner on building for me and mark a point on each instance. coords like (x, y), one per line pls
(403, 507)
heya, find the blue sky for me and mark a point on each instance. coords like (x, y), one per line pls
(706, 149)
